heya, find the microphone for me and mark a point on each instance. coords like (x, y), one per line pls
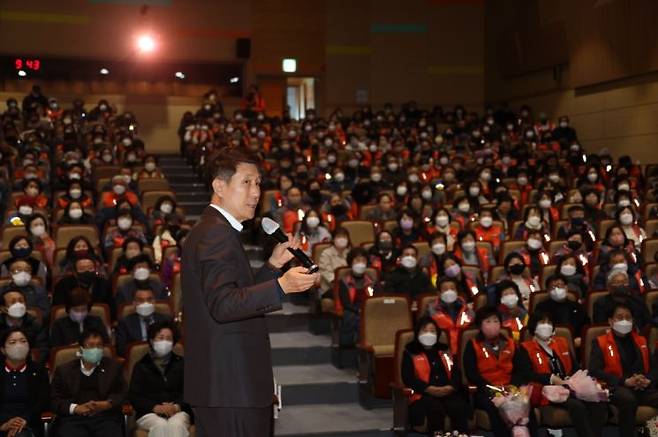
(273, 229)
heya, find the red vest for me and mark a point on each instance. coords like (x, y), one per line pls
(611, 359)
(423, 370)
(498, 371)
(453, 327)
(544, 258)
(538, 356)
(352, 290)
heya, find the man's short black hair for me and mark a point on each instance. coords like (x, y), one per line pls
(224, 162)
(88, 333)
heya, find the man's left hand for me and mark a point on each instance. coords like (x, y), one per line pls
(281, 255)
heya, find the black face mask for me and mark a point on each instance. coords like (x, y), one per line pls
(516, 269)
(574, 245)
(23, 252)
(578, 222)
(338, 210)
(86, 278)
(619, 292)
(385, 246)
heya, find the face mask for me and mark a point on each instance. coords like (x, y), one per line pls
(568, 270)
(393, 166)
(166, 208)
(453, 271)
(427, 339)
(474, 191)
(353, 163)
(626, 219)
(32, 192)
(522, 181)
(406, 224)
(162, 348)
(141, 274)
(449, 296)
(623, 203)
(622, 327)
(341, 242)
(331, 159)
(592, 177)
(23, 252)
(558, 294)
(358, 268)
(491, 330)
(75, 213)
(534, 244)
(119, 189)
(18, 351)
(443, 160)
(124, 223)
(21, 279)
(545, 203)
(340, 177)
(16, 310)
(385, 245)
(534, 221)
(75, 176)
(312, 222)
(25, 210)
(149, 166)
(485, 176)
(401, 190)
(438, 248)
(145, 309)
(544, 331)
(78, 316)
(38, 230)
(408, 262)
(621, 266)
(464, 207)
(413, 178)
(92, 355)
(468, 246)
(563, 124)
(426, 194)
(107, 157)
(510, 300)
(516, 269)
(441, 220)
(75, 194)
(555, 178)
(623, 187)
(574, 245)
(486, 221)
(376, 177)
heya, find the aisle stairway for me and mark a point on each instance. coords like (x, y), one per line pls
(318, 398)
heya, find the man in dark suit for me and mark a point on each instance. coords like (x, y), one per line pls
(87, 394)
(134, 327)
(228, 370)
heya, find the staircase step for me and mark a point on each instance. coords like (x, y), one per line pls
(314, 394)
(313, 374)
(332, 420)
(187, 186)
(287, 323)
(192, 196)
(183, 178)
(301, 356)
(179, 170)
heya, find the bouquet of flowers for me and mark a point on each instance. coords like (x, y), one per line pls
(555, 393)
(587, 388)
(514, 405)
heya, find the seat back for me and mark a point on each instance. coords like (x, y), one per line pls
(509, 247)
(177, 294)
(318, 249)
(361, 231)
(149, 198)
(650, 298)
(555, 245)
(649, 249)
(424, 301)
(495, 273)
(591, 333)
(365, 211)
(402, 339)
(423, 248)
(592, 297)
(134, 353)
(9, 232)
(546, 271)
(68, 232)
(604, 225)
(100, 310)
(540, 296)
(650, 227)
(117, 251)
(381, 318)
(122, 279)
(153, 184)
(464, 337)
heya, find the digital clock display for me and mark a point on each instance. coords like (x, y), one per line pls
(27, 64)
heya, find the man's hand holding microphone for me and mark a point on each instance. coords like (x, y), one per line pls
(297, 279)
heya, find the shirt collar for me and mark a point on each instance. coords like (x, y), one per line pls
(9, 368)
(227, 215)
(85, 371)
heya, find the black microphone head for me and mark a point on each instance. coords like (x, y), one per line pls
(269, 225)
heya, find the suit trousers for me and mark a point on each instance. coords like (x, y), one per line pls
(627, 401)
(94, 426)
(233, 422)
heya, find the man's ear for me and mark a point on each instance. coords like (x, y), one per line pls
(218, 187)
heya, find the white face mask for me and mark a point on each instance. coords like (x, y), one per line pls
(25, 210)
(162, 348)
(622, 327)
(534, 244)
(510, 300)
(376, 177)
(427, 339)
(313, 222)
(17, 310)
(474, 191)
(145, 309)
(413, 178)
(592, 177)
(545, 203)
(358, 268)
(166, 208)
(75, 194)
(534, 221)
(341, 242)
(464, 207)
(124, 223)
(119, 189)
(623, 187)
(468, 246)
(441, 221)
(438, 248)
(149, 166)
(449, 296)
(558, 294)
(339, 177)
(401, 190)
(141, 274)
(75, 213)
(621, 266)
(544, 331)
(568, 270)
(426, 194)
(486, 221)
(18, 351)
(626, 219)
(21, 278)
(408, 262)
(38, 230)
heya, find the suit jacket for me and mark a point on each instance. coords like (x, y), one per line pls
(66, 384)
(227, 346)
(129, 330)
(149, 387)
(38, 392)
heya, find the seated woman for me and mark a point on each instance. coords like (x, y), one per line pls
(433, 374)
(513, 314)
(467, 284)
(312, 231)
(38, 230)
(531, 222)
(164, 212)
(66, 330)
(574, 272)
(333, 257)
(546, 359)
(469, 254)
(430, 262)
(131, 247)
(516, 271)
(21, 247)
(353, 289)
(79, 245)
(156, 386)
(26, 392)
(74, 214)
(488, 360)
(75, 193)
(450, 311)
(562, 310)
(384, 254)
